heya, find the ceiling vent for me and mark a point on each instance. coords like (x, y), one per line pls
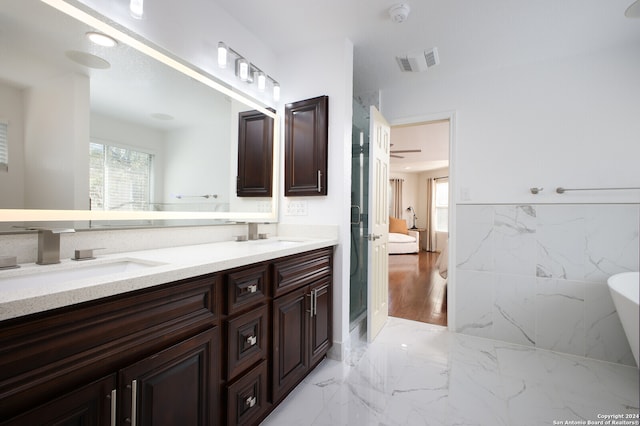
(418, 61)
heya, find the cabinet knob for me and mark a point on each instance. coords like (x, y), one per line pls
(252, 340)
(252, 288)
(251, 401)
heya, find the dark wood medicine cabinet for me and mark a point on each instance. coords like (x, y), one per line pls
(306, 146)
(255, 155)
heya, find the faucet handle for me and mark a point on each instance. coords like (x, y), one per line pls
(85, 254)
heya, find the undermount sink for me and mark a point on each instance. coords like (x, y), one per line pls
(59, 274)
(276, 242)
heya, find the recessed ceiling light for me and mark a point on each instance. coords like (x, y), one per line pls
(407, 168)
(101, 39)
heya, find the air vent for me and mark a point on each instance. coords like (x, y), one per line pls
(432, 57)
(418, 61)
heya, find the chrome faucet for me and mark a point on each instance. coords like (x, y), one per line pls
(253, 231)
(49, 244)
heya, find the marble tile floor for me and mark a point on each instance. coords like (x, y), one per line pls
(422, 374)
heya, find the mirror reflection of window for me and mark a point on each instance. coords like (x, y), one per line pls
(119, 178)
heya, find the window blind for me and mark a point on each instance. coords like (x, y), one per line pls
(120, 178)
(4, 146)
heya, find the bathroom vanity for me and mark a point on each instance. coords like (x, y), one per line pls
(223, 347)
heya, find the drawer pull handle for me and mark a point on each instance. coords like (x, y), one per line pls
(252, 288)
(251, 401)
(113, 398)
(252, 340)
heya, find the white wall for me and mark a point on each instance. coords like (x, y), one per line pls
(12, 181)
(326, 68)
(570, 122)
(56, 132)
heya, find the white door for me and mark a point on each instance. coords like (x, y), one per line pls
(378, 283)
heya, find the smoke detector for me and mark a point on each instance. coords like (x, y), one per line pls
(399, 12)
(418, 61)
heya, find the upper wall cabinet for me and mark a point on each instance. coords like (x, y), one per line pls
(255, 154)
(306, 145)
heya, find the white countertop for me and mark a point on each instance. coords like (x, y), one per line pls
(165, 265)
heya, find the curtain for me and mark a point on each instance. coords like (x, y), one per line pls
(430, 244)
(395, 209)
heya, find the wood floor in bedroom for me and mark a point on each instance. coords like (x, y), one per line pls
(416, 291)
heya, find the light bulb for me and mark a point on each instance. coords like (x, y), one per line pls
(222, 55)
(136, 7)
(243, 69)
(262, 81)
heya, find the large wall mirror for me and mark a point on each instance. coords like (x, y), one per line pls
(121, 133)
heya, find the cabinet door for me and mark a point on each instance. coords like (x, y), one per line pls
(320, 321)
(306, 145)
(290, 341)
(255, 154)
(177, 386)
(90, 405)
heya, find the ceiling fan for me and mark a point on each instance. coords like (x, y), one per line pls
(402, 151)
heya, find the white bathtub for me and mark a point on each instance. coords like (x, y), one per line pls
(625, 291)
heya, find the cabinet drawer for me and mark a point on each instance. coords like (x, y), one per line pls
(245, 287)
(247, 397)
(246, 340)
(299, 270)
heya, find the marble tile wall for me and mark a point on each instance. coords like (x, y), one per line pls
(536, 275)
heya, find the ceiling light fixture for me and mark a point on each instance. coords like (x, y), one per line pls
(136, 8)
(246, 71)
(101, 39)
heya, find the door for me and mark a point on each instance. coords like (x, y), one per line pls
(177, 386)
(290, 343)
(320, 320)
(305, 147)
(255, 154)
(378, 287)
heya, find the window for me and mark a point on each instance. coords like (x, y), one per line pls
(119, 178)
(442, 206)
(4, 146)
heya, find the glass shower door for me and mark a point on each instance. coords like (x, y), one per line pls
(359, 213)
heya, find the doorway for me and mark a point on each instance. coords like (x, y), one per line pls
(418, 280)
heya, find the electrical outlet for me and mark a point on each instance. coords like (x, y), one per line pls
(296, 208)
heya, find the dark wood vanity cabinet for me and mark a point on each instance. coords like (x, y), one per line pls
(301, 318)
(306, 147)
(255, 155)
(223, 348)
(159, 338)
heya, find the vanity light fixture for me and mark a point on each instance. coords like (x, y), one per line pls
(136, 8)
(101, 39)
(246, 71)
